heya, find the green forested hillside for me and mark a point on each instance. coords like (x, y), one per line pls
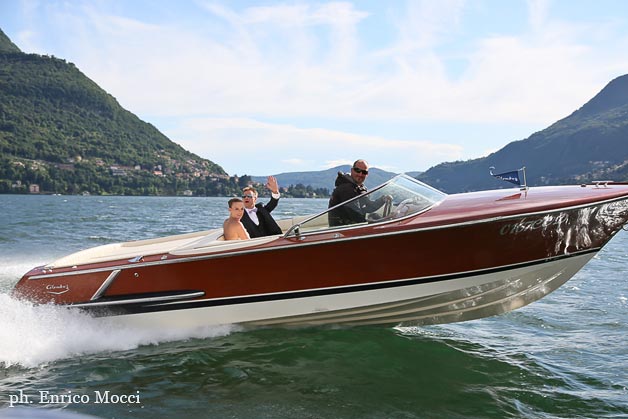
(6, 45)
(61, 131)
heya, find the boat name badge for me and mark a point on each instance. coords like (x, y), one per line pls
(57, 289)
(551, 220)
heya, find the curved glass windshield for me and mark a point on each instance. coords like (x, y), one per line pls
(400, 197)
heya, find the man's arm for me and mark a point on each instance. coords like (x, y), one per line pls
(273, 186)
(372, 206)
(341, 194)
(271, 205)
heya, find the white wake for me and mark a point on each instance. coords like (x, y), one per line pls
(32, 335)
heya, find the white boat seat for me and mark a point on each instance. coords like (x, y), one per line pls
(215, 242)
(127, 250)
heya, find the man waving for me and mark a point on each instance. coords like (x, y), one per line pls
(257, 219)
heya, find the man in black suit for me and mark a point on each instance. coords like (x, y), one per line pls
(257, 219)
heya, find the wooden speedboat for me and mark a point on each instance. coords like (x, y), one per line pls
(423, 257)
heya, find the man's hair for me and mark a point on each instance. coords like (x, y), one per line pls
(233, 200)
(250, 188)
(360, 160)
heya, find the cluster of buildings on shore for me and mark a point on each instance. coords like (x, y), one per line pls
(187, 170)
(32, 188)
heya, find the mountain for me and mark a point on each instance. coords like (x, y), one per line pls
(6, 45)
(589, 144)
(60, 130)
(326, 178)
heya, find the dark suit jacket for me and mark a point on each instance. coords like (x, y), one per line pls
(267, 225)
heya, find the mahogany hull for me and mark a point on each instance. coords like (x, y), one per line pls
(412, 270)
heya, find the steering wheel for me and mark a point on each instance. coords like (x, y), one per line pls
(403, 207)
(387, 208)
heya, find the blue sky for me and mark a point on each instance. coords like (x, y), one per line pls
(268, 87)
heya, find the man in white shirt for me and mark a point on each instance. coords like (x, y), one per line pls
(257, 219)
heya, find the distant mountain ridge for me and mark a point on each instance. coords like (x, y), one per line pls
(589, 144)
(326, 178)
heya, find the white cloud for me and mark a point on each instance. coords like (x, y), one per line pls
(335, 163)
(229, 140)
(217, 81)
(320, 69)
(427, 23)
(538, 13)
(294, 162)
(333, 13)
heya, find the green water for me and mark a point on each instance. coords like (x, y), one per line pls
(562, 357)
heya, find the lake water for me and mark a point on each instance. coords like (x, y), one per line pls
(565, 356)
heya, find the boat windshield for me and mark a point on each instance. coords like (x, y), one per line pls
(400, 197)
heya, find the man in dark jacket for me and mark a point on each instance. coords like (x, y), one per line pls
(350, 185)
(257, 219)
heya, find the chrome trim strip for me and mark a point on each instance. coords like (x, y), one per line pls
(140, 300)
(301, 244)
(103, 287)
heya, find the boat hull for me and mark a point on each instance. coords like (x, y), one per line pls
(470, 296)
(419, 269)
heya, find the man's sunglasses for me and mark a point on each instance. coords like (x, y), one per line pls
(247, 196)
(358, 170)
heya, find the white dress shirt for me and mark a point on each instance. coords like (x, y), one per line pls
(253, 211)
(253, 215)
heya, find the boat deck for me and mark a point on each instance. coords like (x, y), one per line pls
(200, 242)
